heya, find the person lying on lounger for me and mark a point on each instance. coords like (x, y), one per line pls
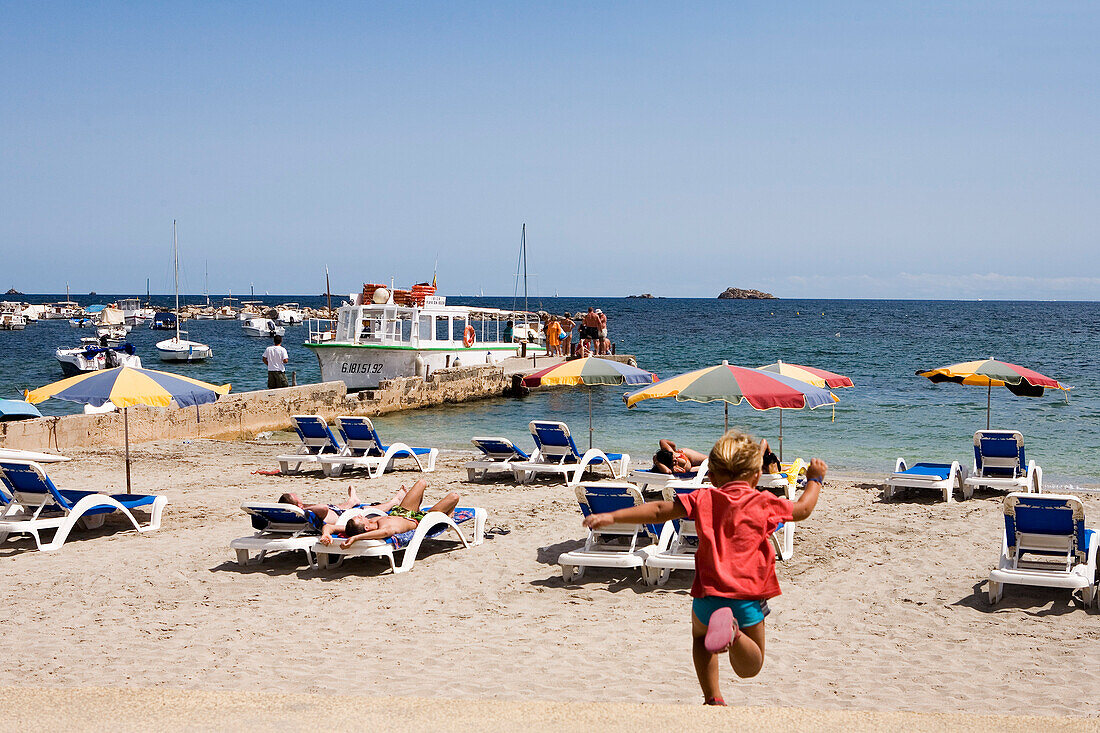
(330, 513)
(670, 459)
(403, 516)
(771, 460)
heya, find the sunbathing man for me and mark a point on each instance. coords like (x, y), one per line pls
(403, 517)
(669, 459)
(330, 513)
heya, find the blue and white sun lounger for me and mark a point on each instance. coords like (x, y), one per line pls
(943, 477)
(433, 526)
(317, 440)
(497, 456)
(36, 505)
(647, 477)
(279, 528)
(601, 547)
(999, 463)
(1045, 543)
(364, 449)
(678, 544)
(558, 454)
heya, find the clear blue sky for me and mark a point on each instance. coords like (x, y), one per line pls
(916, 150)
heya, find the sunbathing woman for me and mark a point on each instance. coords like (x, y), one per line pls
(330, 513)
(405, 516)
(669, 459)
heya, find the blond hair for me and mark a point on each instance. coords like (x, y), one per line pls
(736, 455)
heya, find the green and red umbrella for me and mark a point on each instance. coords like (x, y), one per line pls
(990, 373)
(589, 371)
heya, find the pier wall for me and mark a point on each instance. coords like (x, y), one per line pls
(243, 414)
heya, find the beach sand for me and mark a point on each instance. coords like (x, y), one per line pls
(883, 609)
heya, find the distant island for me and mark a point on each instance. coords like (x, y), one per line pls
(13, 291)
(646, 296)
(739, 294)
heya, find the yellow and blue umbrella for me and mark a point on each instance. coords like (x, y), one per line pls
(589, 371)
(732, 384)
(128, 386)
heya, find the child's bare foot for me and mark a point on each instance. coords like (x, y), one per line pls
(721, 631)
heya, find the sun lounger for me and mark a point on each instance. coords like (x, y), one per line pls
(279, 528)
(37, 505)
(364, 449)
(603, 547)
(942, 477)
(1045, 543)
(999, 463)
(431, 527)
(792, 476)
(497, 456)
(317, 440)
(646, 478)
(558, 454)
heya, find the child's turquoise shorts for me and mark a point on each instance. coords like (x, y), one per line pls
(747, 613)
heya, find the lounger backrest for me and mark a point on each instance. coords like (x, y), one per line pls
(609, 497)
(276, 517)
(999, 453)
(360, 435)
(685, 527)
(553, 439)
(315, 434)
(499, 449)
(28, 484)
(1049, 515)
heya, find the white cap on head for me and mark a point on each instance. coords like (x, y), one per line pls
(599, 311)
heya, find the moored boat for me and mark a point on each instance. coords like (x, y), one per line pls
(92, 357)
(261, 327)
(383, 335)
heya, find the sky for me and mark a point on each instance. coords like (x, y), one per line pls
(831, 150)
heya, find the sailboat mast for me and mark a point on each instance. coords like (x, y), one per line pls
(523, 248)
(176, 268)
(207, 287)
(328, 293)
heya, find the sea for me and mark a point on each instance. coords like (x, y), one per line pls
(880, 344)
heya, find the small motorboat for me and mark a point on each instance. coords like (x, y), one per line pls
(289, 314)
(91, 356)
(12, 321)
(262, 328)
(164, 321)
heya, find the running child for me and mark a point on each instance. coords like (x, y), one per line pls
(735, 562)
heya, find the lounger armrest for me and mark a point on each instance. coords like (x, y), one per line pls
(900, 466)
(1034, 476)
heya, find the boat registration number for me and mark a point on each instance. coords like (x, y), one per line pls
(357, 368)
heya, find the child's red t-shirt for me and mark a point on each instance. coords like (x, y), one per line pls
(735, 558)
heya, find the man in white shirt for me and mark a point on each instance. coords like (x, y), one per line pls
(276, 358)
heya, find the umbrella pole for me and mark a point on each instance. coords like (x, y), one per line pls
(126, 433)
(726, 405)
(589, 418)
(780, 434)
(988, 397)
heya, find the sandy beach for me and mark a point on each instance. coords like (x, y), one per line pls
(883, 610)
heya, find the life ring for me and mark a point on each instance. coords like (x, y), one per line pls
(468, 336)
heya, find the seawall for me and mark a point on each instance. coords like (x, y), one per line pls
(243, 414)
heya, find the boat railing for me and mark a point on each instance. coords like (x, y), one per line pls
(321, 330)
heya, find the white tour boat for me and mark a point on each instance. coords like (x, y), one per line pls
(379, 339)
(177, 348)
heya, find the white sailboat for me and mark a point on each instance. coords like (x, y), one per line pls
(176, 348)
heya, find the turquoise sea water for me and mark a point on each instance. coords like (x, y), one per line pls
(879, 344)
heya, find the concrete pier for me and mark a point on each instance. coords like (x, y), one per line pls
(243, 414)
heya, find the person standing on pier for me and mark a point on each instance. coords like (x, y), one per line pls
(276, 359)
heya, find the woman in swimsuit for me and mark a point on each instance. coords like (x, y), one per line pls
(670, 459)
(402, 517)
(330, 513)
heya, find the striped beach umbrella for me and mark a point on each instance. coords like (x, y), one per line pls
(811, 375)
(127, 386)
(589, 371)
(732, 384)
(990, 373)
